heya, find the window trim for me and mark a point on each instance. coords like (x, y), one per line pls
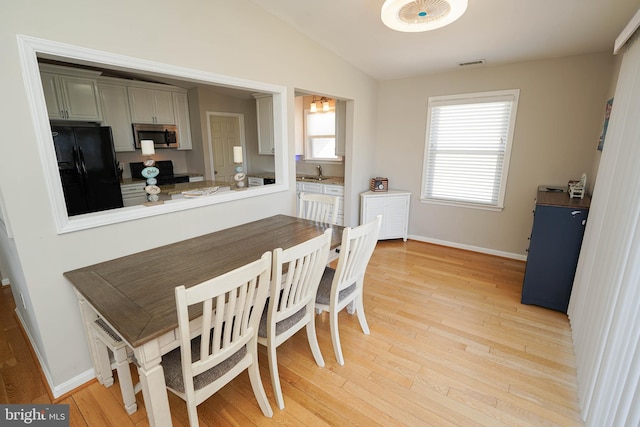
(307, 147)
(472, 98)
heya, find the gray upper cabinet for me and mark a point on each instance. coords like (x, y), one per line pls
(264, 110)
(115, 111)
(85, 95)
(341, 131)
(71, 96)
(183, 121)
(151, 106)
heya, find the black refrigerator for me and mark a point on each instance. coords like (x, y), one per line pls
(87, 165)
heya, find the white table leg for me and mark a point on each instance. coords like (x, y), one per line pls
(98, 354)
(154, 390)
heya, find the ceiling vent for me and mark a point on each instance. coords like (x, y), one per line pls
(470, 63)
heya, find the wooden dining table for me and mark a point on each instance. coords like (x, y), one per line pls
(134, 294)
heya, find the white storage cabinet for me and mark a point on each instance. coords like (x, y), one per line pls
(393, 205)
(317, 188)
(133, 194)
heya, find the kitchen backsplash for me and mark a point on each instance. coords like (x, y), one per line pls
(328, 169)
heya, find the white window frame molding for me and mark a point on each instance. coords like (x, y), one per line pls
(307, 144)
(471, 98)
(30, 48)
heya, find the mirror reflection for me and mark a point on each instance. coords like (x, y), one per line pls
(102, 120)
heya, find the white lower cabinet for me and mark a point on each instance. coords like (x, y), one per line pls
(316, 188)
(393, 205)
(133, 194)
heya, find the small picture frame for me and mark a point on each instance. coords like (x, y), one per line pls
(607, 113)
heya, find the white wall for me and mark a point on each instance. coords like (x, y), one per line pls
(559, 118)
(225, 37)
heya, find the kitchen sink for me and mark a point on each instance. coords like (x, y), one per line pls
(314, 178)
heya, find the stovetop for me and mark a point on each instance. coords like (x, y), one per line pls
(166, 175)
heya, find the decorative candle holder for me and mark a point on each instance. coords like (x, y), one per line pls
(240, 175)
(150, 172)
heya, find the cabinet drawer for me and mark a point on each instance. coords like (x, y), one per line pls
(311, 187)
(132, 189)
(334, 190)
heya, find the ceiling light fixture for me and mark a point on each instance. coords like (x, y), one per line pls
(421, 15)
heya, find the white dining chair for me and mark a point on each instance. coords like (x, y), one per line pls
(107, 340)
(221, 343)
(319, 207)
(343, 286)
(296, 276)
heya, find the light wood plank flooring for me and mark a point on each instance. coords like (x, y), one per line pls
(450, 345)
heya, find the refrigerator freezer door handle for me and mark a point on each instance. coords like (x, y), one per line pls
(81, 160)
(76, 160)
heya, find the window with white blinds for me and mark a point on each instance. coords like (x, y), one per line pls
(468, 145)
(320, 136)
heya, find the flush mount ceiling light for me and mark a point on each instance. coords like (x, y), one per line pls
(421, 15)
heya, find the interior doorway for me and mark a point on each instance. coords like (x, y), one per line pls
(226, 130)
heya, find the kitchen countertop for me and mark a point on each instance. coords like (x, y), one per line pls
(172, 189)
(331, 180)
(127, 181)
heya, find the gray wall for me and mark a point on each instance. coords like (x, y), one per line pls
(223, 37)
(558, 122)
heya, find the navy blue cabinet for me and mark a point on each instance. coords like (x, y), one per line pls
(556, 237)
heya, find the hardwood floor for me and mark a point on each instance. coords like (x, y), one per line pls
(450, 345)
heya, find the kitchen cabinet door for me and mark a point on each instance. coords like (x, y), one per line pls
(264, 110)
(115, 112)
(52, 96)
(151, 106)
(183, 122)
(341, 131)
(71, 97)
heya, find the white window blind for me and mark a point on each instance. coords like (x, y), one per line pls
(320, 136)
(467, 150)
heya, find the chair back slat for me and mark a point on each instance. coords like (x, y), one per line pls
(239, 298)
(319, 207)
(356, 249)
(298, 271)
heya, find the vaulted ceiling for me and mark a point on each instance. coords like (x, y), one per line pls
(497, 31)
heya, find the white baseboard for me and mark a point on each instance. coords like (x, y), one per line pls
(510, 255)
(67, 386)
(6, 282)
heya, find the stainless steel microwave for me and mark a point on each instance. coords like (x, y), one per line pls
(163, 136)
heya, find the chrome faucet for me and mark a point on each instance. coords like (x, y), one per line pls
(319, 167)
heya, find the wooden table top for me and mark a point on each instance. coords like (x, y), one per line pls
(135, 293)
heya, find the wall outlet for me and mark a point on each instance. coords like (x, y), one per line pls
(22, 299)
